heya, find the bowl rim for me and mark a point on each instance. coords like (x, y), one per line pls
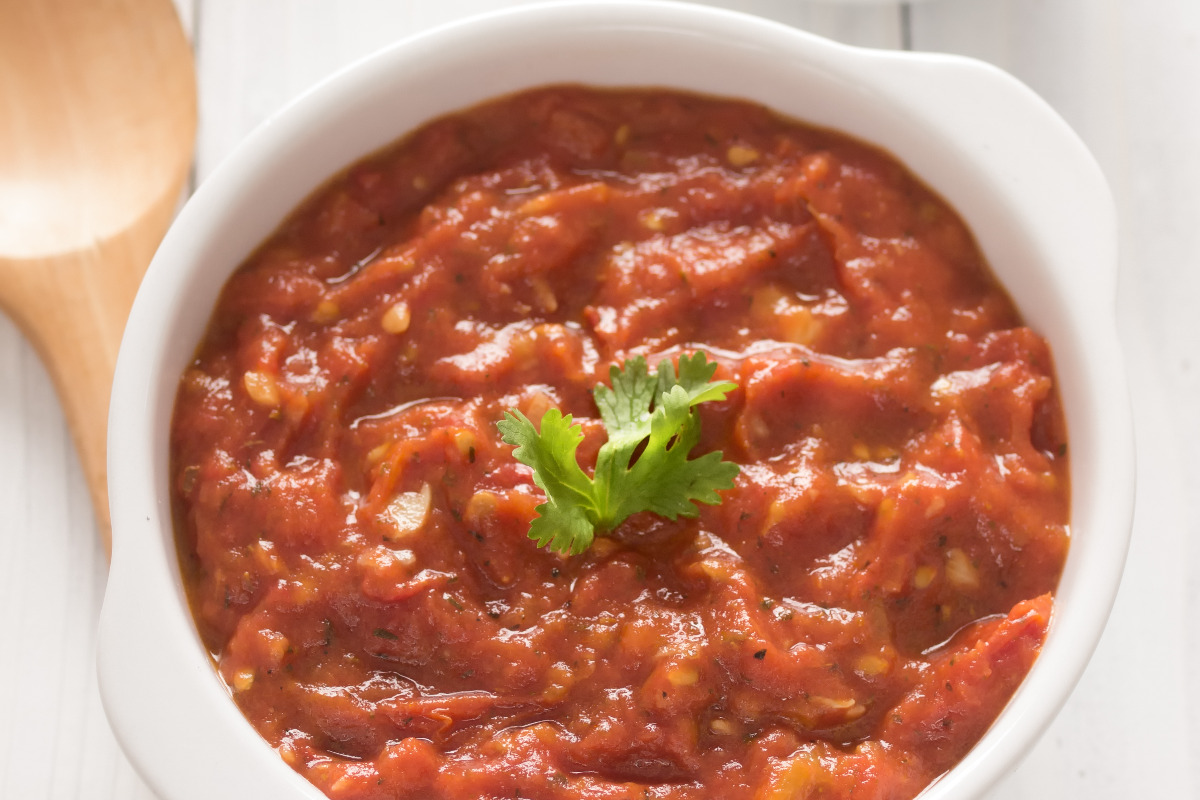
(983, 122)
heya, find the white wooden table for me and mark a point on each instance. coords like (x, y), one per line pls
(1124, 73)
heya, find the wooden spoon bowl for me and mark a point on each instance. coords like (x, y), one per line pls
(97, 125)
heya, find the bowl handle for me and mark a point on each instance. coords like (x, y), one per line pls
(1023, 144)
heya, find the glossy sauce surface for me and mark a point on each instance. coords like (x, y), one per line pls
(846, 623)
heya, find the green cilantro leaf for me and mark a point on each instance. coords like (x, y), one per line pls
(656, 414)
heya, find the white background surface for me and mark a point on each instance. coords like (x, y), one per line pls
(1125, 75)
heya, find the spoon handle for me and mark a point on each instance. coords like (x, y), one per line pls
(73, 308)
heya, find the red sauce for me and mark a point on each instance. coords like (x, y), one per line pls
(847, 623)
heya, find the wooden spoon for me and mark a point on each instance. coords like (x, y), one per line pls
(97, 124)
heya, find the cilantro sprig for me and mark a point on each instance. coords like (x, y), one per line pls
(653, 417)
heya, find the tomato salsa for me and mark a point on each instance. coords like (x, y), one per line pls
(847, 622)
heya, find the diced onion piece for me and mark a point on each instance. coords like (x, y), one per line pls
(816, 166)
(397, 318)
(538, 204)
(536, 405)
(264, 555)
(262, 388)
(800, 775)
(740, 155)
(409, 511)
(480, 507)
(872, 664)
(923, 576)
(757, 430)
(287, 751)
(543, 294)
(603, 546)
(722, 727)
(464, 440)
(886, 510)
(839, 703)
(885, 453)
(766, 303)
(325, 312)
(243, 679)
(777, 512)
(715, 569)
(936, 506)
(797, 325)
(405, 558)
(376, 453)
(960, 571)
(560, 680)
(683, 675)
(653, 219)
(275, 646)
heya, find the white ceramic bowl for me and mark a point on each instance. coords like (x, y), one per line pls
(1033, 195)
